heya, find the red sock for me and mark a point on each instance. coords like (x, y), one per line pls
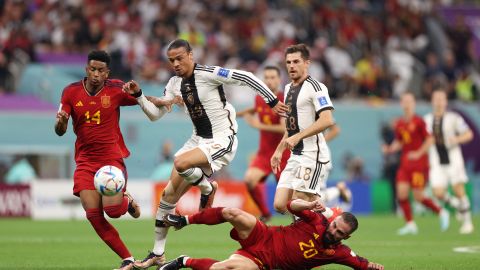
(430, 204)
(200, 264)
(258, 196)
(116, 211)
(107, 232)
(209, 216)
(407, 210)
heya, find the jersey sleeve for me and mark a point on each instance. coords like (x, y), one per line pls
(240, 77)
(321, 99)
(345, 256)
(460, 125)
(65, 104)
(306, 215)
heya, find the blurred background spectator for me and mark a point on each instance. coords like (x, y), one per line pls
(164, 168)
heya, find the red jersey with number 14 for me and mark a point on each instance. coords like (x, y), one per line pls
(412, 133)
(268, 140)
(96, 120)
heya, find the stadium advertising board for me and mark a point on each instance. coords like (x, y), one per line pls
(14, 200)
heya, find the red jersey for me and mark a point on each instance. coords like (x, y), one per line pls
(96, 120)
(411, 134)
(297, 246)
(268, 140)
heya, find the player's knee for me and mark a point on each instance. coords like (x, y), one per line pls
(280, 207)
(181, 164)
(114, 211)
(250, 183)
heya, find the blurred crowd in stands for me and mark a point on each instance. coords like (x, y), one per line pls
(360, 48)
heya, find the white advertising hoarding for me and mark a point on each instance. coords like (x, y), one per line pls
(53, 199)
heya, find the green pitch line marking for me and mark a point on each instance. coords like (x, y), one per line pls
(467, 249)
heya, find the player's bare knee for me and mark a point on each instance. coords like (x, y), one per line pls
(181, 164)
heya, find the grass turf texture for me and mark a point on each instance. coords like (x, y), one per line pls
(26, 244)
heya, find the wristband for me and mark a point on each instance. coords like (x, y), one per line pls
(138, 94)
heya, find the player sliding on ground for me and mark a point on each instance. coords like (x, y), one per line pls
(213, 143)
(307, 243)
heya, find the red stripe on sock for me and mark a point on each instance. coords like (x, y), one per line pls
(200, 264)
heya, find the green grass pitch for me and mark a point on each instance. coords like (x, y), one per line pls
(26, 244)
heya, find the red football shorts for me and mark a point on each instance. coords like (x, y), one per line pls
(85, 171)
(255, 246)
(417, 178)
(262, 162)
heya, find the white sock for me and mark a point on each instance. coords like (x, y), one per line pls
(185, 260)
(191, 175)
(129, 259)
(161, 232)
(452, 201)
(205, 186)
(332, 193)
(465, 209)
(195, 177)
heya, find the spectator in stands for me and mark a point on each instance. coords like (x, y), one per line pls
(21, 171)
(164, 168)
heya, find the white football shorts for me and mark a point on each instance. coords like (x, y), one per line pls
(305, 174)
(219, 151)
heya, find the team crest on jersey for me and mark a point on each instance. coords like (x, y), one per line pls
(322, 101)
(105, 101)
(223, 72)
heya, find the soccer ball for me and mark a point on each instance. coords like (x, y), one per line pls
(109, 180)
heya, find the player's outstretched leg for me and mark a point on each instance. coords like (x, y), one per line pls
(187, 262)
(210, 216)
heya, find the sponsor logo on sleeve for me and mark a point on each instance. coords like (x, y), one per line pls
(223, 72)
(323, 101)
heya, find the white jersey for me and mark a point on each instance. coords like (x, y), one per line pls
(205, 102)
(450, 125)
(305, 103)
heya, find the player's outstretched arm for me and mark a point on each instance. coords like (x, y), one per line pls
(299, 205)
(153, 112)
(61, 123)
(332, 132)
(323, 122)
(414, 155)
(246, 112)
(394, 147)
(240, 77)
